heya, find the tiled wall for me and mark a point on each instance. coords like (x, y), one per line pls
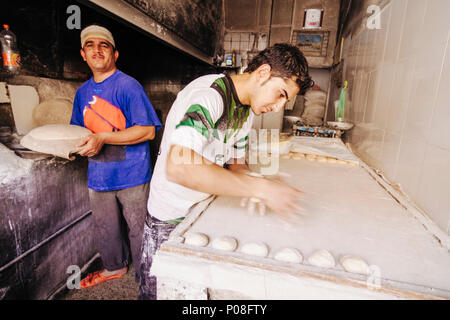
(399, 80)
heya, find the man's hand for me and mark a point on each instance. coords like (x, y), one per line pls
(282, 199)
(91, 145)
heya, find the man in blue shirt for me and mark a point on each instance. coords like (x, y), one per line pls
(115, 107)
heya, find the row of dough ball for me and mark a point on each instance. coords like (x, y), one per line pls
(321, 258)
(313, 157)
(303, 156)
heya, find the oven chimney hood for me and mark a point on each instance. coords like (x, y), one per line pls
(134, 13)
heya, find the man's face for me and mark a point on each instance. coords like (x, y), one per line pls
(272, 93)
(99, 55)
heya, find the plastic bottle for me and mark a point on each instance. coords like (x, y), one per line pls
(10, 52)
(233, 58)
(342, 102)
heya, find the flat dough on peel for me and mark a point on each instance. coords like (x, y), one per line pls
(354, 264)
(224, 243)
(289, 255)
(57, 139)
(256, 249)
(59, 132)
(197, 239)
(322, 258)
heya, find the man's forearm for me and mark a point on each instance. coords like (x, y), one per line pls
(211, 178)
(133, 135)
(239, 166)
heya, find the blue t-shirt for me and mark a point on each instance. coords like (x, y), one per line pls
(115, 104)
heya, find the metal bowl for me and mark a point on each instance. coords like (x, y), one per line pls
(340, 125)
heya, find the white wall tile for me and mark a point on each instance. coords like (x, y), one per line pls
(415, 14)
(401, 94)
(362, 97)
(374, 82)
(436, 23)
(434, 184)
(394, 33)
(383, 106)
(374, 148)
(381, 37)
(410, 161)
(390, 151)
(426, 77)
(440, 124)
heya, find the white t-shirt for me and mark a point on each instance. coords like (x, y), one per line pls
(208, 118)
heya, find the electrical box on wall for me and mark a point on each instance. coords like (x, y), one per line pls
(313, 19)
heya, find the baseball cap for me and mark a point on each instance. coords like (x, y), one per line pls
(95, 31)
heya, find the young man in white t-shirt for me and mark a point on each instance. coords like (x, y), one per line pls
(203, 147)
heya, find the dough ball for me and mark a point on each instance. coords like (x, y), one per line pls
(289, 255)
(354, 264)
(321, 159)
(256, 249)
(196, 239)
(225, 243)
(311, 157)
(298, 156)
(331, 160)
(322, 258)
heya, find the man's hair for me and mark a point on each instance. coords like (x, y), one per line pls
(286, 61)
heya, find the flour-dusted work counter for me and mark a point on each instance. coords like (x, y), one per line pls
(348, 212)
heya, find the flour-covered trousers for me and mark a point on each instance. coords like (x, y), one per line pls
(155, 233)
(119, 218)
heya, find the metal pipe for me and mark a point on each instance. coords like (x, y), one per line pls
(40, 244)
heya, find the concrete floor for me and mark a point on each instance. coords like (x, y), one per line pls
(125, 288)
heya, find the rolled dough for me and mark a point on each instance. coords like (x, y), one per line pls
(322, 258)
(196, 239)
(225, 243)
(354, 264)
(57, 139)
(256, 249)
(289, 255)
(59, 132)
